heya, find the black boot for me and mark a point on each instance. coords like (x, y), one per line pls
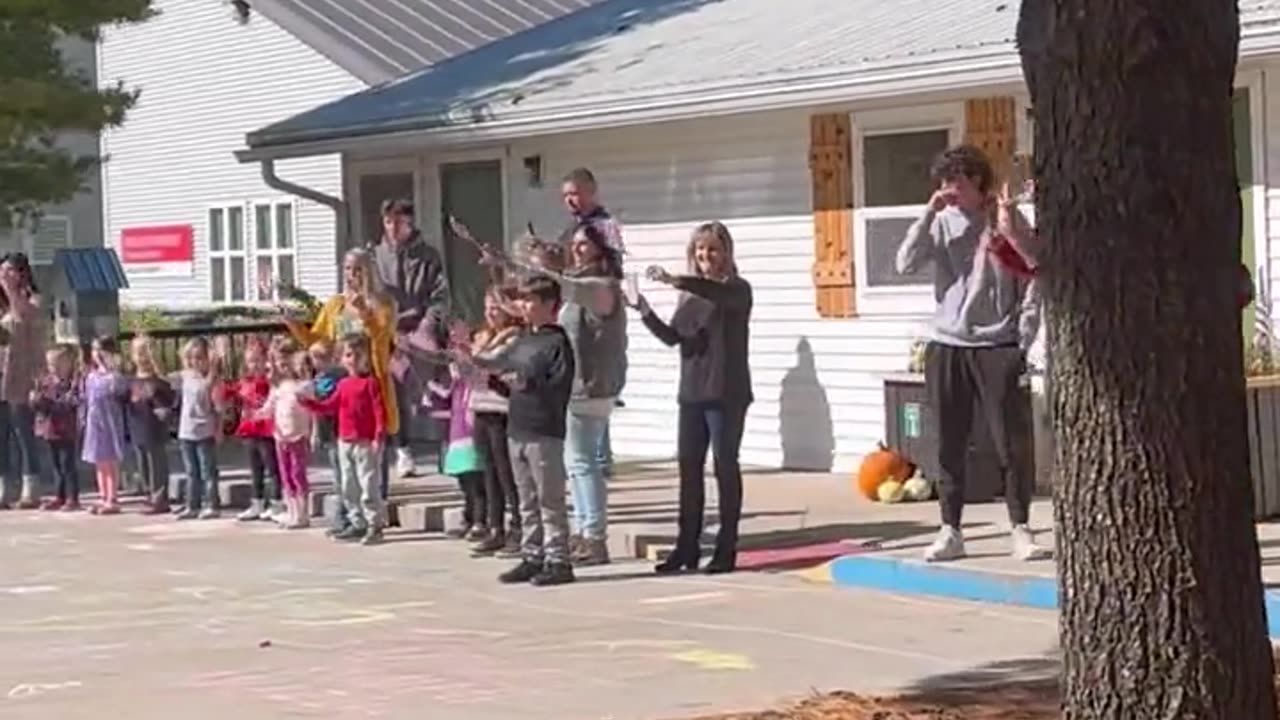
(559, 573)
(526, 571)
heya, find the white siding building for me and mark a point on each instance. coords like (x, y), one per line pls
(206, 77)
(807, 127)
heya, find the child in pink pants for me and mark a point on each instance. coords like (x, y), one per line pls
(292, 428)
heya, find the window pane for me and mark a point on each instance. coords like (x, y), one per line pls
(265, 279)
(284, 226)
(235, 228)
(237, 279)
(262, 226)
(216, 230)
(285, 265)
(896, 167)
(218, 279)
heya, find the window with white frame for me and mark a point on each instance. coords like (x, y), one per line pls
(274, 252)
(228, 256)
(895, 152)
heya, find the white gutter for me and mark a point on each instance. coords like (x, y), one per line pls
(994, 67)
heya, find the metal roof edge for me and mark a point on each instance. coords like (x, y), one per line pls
(996, 65)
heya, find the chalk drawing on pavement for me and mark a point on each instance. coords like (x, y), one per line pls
(713, 660)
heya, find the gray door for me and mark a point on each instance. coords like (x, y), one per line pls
(471, 192)
(374, 190)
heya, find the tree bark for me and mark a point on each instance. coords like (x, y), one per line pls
(1159, 572)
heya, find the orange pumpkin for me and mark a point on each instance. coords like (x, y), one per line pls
(879, 466)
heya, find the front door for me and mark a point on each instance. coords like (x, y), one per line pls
(375, 189)
(471, 192)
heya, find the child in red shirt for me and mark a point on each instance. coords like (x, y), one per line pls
(249, 393)
(357, 403)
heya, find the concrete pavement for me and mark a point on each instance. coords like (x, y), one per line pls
(149, 618)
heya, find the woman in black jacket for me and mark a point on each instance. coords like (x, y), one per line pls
(711, 328)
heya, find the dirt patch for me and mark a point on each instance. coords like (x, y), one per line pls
(1028, 701)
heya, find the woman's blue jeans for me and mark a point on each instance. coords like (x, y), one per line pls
(583, 455)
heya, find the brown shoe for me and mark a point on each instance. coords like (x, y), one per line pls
(592, 552)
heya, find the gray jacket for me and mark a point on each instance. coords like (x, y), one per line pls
(414, 276)
(599, 342)
(979, 301)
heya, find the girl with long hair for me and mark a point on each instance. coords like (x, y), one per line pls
(711, 328)
(22, 346)
(105, 389)
(498, 333)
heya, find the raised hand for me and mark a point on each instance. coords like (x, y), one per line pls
(657, 273)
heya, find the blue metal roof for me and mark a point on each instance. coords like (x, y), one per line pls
(622, 54)
(91, 269)
(380, 40)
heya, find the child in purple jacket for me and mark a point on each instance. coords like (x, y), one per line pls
(461, 460)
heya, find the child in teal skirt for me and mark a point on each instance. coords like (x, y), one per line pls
(462, 460)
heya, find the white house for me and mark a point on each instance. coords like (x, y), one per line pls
(807, 126)
(195, 227)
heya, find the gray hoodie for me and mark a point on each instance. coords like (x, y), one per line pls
(978, 299)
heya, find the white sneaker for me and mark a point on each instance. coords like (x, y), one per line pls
(1025, 547)
(404, 463)
(254, 512)
(949, 545)
(209, 514)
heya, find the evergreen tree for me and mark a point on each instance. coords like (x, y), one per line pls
(44, 98)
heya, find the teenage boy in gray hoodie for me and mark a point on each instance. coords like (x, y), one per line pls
(974, 351)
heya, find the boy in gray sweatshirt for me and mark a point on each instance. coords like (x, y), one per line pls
(974, 353)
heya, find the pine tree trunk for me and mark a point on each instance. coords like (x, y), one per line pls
(1162, 613)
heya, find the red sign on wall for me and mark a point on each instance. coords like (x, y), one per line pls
(158, 249)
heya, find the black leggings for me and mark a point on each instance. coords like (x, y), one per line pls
(262, 465)
(499, 482)
(472, 486)
(720, 427)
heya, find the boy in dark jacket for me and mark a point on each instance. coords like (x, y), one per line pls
(538, 372)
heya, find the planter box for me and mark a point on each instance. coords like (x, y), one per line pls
(910, 430)
(1262, 398)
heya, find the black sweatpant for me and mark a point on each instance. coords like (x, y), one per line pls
(499, 482)
(263, 466)
(957, 379)
(700, 426)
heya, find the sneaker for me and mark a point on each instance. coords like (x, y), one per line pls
(1025, 547)
(51, 505)
(179, 509)
(558, 573)
(210, 514)
(254, 512)
(71, 507)
(349, 533)
(526, 571)
(185, 514)
(334, 531)
(575, 544)
(372, 536)
(949, 545)
(109, 509)
(488, 546)
(477, 533)
(405, 466)
(511, 549)
(456, 533)
(591, 552)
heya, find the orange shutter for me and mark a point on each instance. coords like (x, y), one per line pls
(992, 125)
(830, 165)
